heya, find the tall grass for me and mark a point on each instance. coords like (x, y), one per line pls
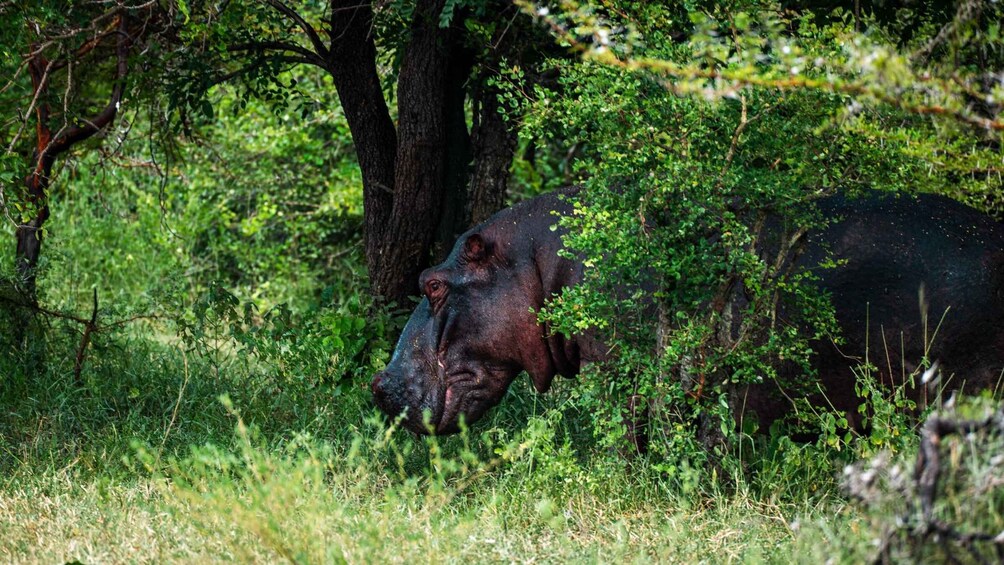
(388, 498)
(161, 456)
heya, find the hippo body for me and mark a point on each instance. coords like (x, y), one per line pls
(476, 327)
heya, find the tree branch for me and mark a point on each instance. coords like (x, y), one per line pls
(741, 78)
(312, 35)
(85, 339)
(74, 318)
(65, 139)
(39, 69)
(307, 56)
(928, 458)
(89, 45)
(227, 77)
(743, 121)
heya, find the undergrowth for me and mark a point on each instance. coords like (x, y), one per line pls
(183, 454)
(225, 427)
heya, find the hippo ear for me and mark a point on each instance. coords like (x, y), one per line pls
(476, 249)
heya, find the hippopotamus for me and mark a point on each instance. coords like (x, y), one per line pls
(476, 328)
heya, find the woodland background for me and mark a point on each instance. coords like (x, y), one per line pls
(214, 213)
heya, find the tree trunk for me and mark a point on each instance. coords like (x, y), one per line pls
(29, 233)
(403, 173)
(455, 219)
(352, 65)
(419, 188)
(421, 158)
(28, 236)
(494, 141)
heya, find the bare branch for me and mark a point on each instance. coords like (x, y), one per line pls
(735, 139)
(39, 77)
(966, 11)
(927, 529)
(85, 339)
(13, 79)
(928, 467)
(77, 319)
(89, 45)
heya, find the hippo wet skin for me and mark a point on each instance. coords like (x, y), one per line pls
(476, 329)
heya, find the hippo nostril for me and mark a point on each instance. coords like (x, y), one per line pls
(377, 388)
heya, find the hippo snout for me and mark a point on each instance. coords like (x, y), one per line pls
(382, 397)
(396, 395)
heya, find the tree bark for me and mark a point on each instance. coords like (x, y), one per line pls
(421, 158)
(455, 218)
(420, 190)
(352, 65)
(404, 173)
(28, 234)
(494, 141)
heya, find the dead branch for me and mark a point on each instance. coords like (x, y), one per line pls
(922, 489)
(73, 317)
(928, 467)
(85, 339)
(90, 325)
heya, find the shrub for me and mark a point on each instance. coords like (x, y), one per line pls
(701, 147)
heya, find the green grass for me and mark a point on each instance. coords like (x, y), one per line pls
(312, 507)
(161, 454)
(154, 466)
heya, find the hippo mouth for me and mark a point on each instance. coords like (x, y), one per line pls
(468, 393)
(461, 390)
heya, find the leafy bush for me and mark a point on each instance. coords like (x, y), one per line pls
(703, 145)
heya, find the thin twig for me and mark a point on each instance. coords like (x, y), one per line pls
(13, 79)
(85, 340)
(31, 107)
(735, 140)
(177, 403)
(74, 318)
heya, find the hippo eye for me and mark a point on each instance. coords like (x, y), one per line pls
(434, 289)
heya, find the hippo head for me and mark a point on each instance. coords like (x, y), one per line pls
(473, 332)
